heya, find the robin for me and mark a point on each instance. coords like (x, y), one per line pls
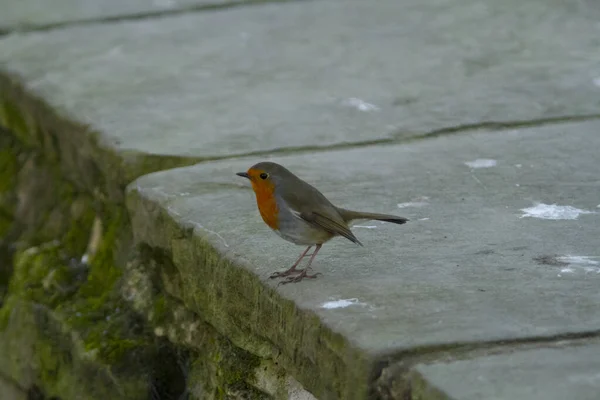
(299, 213)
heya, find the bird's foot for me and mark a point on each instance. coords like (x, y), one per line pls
(296, 279)
(285, 273)
(290, 271)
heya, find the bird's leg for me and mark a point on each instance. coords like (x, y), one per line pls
(303, 274)
(293, 269)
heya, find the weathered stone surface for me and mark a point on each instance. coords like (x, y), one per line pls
(315, 73)
(166, 92)
(543, 374)
(212, 366)
(29, 13)
(10, 391)
(469, 267)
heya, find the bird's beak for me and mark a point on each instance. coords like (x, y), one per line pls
(243, 175)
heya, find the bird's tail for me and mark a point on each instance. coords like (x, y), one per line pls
(349, 215)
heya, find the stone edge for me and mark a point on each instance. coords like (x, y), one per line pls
(251, 314)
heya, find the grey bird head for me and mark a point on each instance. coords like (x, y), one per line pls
(267, 171)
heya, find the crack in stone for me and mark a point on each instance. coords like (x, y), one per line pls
(506, 125)
(398, 139)
(139, 16)
(137, 159)
(394, 369)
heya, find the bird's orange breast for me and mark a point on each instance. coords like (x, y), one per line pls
(267, 204)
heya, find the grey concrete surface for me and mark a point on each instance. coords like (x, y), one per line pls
(315, 73)
(544, 374)
(31, 13)
(470, 266)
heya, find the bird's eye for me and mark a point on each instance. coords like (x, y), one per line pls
(264, 175)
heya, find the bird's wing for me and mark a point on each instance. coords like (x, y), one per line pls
(302, 200)
(330, 225)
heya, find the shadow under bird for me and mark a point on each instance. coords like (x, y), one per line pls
(301, 214)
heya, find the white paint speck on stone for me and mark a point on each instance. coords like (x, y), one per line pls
(578, 260)
(481, 163)
(518, 165)
(587, 264)
(365, 226)
(553, 212)
(423, 219)
(343, 303)
(360, 105)
(412, 204)
(418, 202)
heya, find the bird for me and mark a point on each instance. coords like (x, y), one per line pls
(301, 214)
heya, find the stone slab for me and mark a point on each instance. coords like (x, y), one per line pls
(31, 13)
(469, 267)
(545, 374)
(318, 73)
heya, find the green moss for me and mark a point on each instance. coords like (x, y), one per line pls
(6, 262)
(5, 312)
(110, 333)
(8, 175)
(234, 369)
(82, 216)
(13, 119)
(8, 169)
(109, 346)
(52, 362)
(78, 334)
(85, 297)
(97, 310)
(92, 308)
(160, 310)
(103, 272)
(40, 276)
(6, 222)
(239, 366)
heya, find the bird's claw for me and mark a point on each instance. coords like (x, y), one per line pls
(296, 279)
(285, 273)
